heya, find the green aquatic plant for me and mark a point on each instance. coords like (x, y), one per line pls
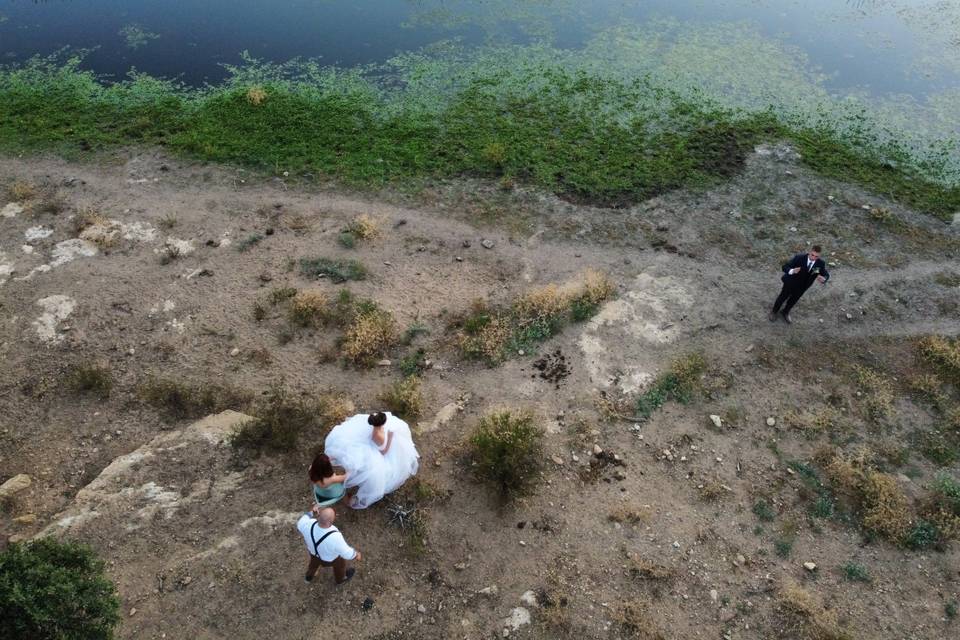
(136, 36)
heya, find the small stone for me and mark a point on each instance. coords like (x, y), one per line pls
(384, 363)
(387, 263)
(14, 485)
(717, 421)
(529, 598)
(597, 451)
(460, 566)
(466, 244)
(520, 352)
(849, 317)
(133, 612)
(865, 207)
(421, 608)
(810, 566)
(522, 543)
(186, 580)
(727, 615)
(676, 544)
(458, 259)
(749, 348)
(771, 421)
(575, 458)
(235, 351)
(27, 518)
(492, 590)
(714, 595)
(620, 474)
(487, 244)
(739, 561)
(557, 459)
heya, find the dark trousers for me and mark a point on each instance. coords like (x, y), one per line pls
(788, 295)
(339, 568)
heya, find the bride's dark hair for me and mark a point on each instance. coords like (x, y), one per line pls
(320, 468)
(377, 419)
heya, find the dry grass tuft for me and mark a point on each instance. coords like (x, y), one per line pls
(546, 304)
(597, 287)
(878, 393)
(488, 341)
(629, 515)
(821, 420)
(368, 337)
(404, 398)
(22, 191)
(180, 400)
(94, 379)
(364, 227)
(643, 569)
(944, 354)
(634, 621)
(308, 309)
(806, 616)
(256, 95)
(883, 505)
(86, 218)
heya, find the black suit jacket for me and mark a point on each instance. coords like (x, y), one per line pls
(802, 280)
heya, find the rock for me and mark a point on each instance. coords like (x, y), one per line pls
(133, 612)
(487, 244)
(466, 244)
(575, 458)
(676, 544)
(518, 617)
(529, 598)
(235, 351)
(492, 590)
(739, 560)
(458, 259)
(717, 421)
(956, 219)
(714, 595)
(186, 580)
(557, 459)
(421, 608)
(367, 604)
(810, 566)
(620, 474)
(771, 421)
(444, 416)
(749, 348)
(849, 317)
(460, 566)
(597, 451)
(14, 485)
(384, 363)
(27, 518)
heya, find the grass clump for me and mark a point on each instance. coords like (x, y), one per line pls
(279, 419)
(634, 621)
(855, 572)
(249, 242)
(878, 392)
(22, 191)
(347, 240)
(763, 511)
(413, 363)
(94, 379)
(364, 227)
(806, 616)
(944, 354)
(50, 589)
(506, 450)
(181, 401)
(370, 334)
(677, 384)
(404, 398)
(882, 505)
(281, 294)
(337, 270)
(308, 309)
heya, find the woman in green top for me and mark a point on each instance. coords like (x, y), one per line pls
(328, 486)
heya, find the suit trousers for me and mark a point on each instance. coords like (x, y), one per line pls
(790, 296)
(339, 567)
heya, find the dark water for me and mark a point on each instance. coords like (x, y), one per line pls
(867, 45)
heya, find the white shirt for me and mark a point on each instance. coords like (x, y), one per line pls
(809, 264)
(334, 546)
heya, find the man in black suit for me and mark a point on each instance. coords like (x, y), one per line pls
(798, 274)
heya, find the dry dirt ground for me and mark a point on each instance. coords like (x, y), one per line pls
(201, 543)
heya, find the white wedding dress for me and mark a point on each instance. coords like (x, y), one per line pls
(350, 445)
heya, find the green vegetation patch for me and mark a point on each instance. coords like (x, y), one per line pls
(678, 384)
(336, 270)
(506, 449)
(583, 136)
(50, 589)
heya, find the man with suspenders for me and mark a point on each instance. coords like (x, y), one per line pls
(326, 545)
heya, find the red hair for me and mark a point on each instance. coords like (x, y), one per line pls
(320, 468)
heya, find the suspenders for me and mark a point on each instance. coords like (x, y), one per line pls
(316, 543)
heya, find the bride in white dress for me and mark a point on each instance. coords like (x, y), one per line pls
(378, 453)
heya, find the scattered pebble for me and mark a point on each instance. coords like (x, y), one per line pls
(810, 566)
(717, 420)
(487, 244)
(771, 421)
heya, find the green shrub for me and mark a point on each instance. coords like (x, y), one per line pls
(404, 398)
(281, 417)
(181, 400)
(346, 240)
(923, 535)
(679, 383)
(281, 294)
(92, 379)
(506, 449)
(783, 547)
(413, 363)
(336, 270)
(249, 242)
(855, 572)
(761, 509)
(55, 591)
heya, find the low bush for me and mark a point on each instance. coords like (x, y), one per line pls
(877, 393)
(53, 590)
(855, 572)
(944, 354)
(678, 384)
(94, 379)
(404, 398)
(21, 191)
(806, 616)
(308, 309)
(337, 270)
(634, 621)
(371, 333)
(506, 450)
(364, 227)
(281, 417)
(181, 401)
